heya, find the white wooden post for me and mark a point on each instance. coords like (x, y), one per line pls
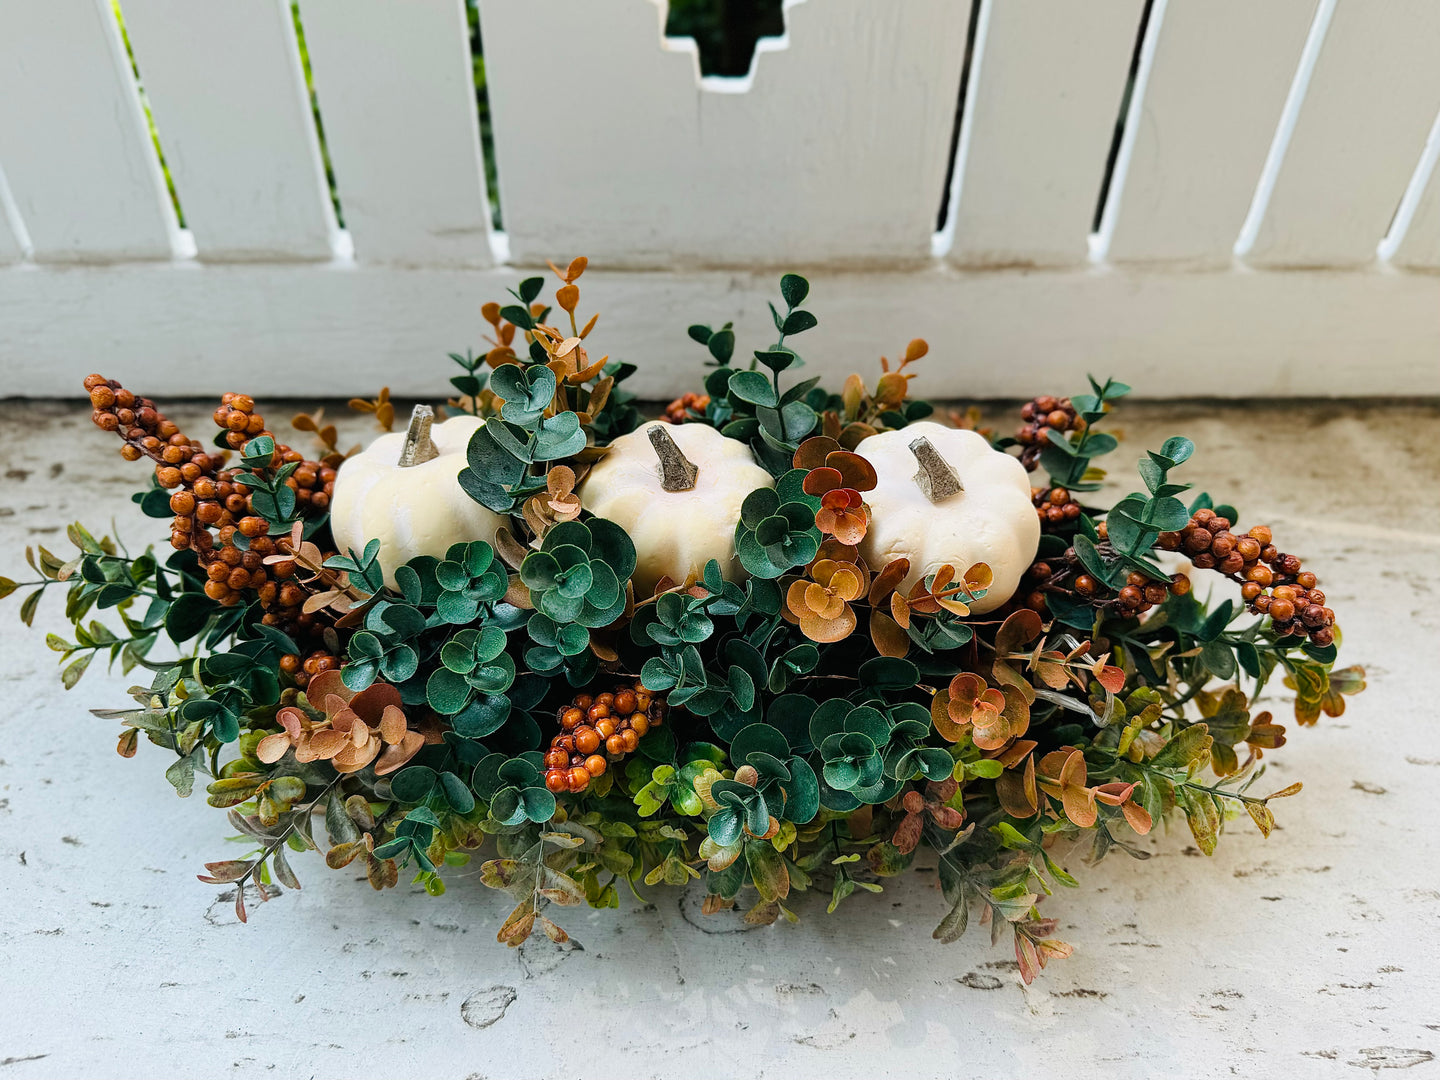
(73, 139)
(397, 93)
(228, 92)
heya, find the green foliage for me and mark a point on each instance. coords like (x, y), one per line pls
(774, 536)
(513, 788)
(1067, 458)
(578, 576)
(745, 404)
(769, 762)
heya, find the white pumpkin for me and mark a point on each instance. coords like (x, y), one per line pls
(944, 496)
(412, 509)
(676, 489)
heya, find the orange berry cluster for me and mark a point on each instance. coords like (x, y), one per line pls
(1137, 596)
(679, 410)
(303, 670)
(1042, 413)
(596, 730)
(208, 497)
(313, 482)
(1139, 593)
(1271, 582)
(1055, 506)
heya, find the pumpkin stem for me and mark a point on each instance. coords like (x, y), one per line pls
(419, 447)
(936, 478)
(677, 472)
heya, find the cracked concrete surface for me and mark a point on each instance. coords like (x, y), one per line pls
(1310, 954)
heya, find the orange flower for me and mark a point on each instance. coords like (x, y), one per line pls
(843, 515)
(822, 605)
(838, 477)
(994, 717)
(357, 729)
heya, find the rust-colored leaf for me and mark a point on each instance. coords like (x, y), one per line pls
(1028, 960)
(1138, 817)
(1018, 630)
(342, 855)
(1052, 674)
(888, 638)
(1079, 805)
(812, 452)
(225, 871)
(979, 577)
(1261, 815)
(1111, 678)
(518, 925)
(822, 480)
(907, 833)
(714, 904)
(129, 741)
(1017, 791)
(552, 931)
(852, 395)
(382, 873)
(854, 470)
(888, 580)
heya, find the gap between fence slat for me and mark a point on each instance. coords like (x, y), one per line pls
(73, 139)
(1370, 101)
(1216, 86)
(227, 89)
(398, 95)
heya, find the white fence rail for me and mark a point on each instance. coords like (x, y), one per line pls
(1271, 214)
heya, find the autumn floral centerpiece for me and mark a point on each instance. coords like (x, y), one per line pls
(782, 639)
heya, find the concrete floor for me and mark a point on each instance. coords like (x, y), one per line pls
(1311, 954)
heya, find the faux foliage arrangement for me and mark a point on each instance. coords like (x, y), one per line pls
(811, 633)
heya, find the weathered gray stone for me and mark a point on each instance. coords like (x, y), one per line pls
(1312, 953)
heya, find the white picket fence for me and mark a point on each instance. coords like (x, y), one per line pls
(1271, 224)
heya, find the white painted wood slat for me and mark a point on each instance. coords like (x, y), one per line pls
(1217, 84)
(1045, 87)
(9, 212)
(397, 94)
(228, 92)
(607, 143)
(1419, 247)
(73, 137)
(1372, 98)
